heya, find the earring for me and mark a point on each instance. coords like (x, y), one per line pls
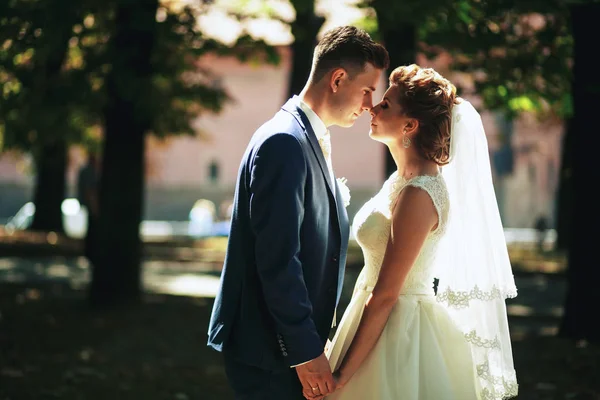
(405, 140)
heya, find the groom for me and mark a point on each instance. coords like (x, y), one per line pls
(285, 260)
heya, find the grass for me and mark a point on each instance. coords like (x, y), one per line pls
(53, 347)
(524, 258)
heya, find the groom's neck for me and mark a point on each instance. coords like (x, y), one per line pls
(314, 97)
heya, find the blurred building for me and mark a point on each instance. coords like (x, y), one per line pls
(181, 170)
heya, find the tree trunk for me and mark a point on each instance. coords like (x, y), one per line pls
(50, 123)
(583, 275)
(305, 30)
(116, 277)
(50, 185)
(401, 43)
(564, 212)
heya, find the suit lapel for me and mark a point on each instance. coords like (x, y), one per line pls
(292, 107)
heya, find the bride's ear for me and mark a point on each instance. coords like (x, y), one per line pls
(336, 77)
(412, 127)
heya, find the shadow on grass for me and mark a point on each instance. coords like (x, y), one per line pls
(53, 347)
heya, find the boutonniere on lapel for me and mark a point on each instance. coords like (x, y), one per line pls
(344, 190)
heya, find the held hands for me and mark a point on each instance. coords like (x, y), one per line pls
(316, 378)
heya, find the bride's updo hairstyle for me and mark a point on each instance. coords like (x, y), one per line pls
(428, 97)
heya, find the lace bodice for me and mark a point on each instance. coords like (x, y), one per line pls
(371, 228)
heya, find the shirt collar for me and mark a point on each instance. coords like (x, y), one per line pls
(315, 122)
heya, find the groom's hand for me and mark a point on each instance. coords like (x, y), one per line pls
(316, 378)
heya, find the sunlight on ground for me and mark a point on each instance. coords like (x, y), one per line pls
(58, 271)
(522, 332)
(159, 276)
(8, 264)
(186, 285)
(519, 310)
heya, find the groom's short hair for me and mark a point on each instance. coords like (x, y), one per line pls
(350, 48)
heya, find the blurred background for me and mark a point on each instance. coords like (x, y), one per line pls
(122, 125)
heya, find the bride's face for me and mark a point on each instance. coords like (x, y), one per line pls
(387, 119)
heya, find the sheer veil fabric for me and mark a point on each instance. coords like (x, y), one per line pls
(472, 263)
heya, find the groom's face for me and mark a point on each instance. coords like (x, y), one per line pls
(354, 95)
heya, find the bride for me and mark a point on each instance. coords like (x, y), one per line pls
(436, 216)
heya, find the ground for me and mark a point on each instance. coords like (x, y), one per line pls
(52, 346)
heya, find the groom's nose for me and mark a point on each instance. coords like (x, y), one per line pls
(367, 104)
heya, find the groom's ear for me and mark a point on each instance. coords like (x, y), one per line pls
(336, 77)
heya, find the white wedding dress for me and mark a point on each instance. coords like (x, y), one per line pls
(421, 354)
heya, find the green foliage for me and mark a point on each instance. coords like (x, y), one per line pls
(253, 9)
(181, 81)
(406, 11)
(54, 59)
(370, 24)
(42, 72)
(519, 52)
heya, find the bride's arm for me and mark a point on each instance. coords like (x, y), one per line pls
(413, 217)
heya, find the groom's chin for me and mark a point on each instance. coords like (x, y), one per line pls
(346, 124)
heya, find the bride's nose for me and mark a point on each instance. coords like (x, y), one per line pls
(372, 111)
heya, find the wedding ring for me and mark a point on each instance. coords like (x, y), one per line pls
(314, 388)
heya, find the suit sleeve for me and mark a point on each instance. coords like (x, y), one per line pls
(278, 176)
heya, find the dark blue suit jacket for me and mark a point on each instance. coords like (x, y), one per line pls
(286, 254)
